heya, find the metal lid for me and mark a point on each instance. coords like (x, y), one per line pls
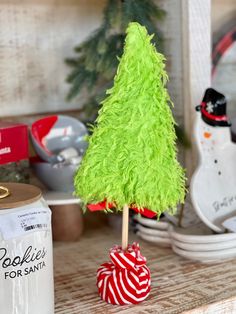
(14, 195)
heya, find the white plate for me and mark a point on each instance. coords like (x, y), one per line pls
(199, 234)
(153, 239)
(204, 247)
(213, 185)
(152, 232)
(155, 224)
(206, 256)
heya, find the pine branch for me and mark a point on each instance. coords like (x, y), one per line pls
(97, 57)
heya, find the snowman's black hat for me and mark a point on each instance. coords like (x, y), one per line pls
(213, 108)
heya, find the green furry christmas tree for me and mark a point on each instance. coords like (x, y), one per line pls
(131, 158)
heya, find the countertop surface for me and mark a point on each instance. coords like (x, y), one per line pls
(178, 285)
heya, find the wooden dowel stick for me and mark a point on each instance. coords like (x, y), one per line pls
(125, 227)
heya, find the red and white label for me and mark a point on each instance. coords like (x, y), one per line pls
(13, 142)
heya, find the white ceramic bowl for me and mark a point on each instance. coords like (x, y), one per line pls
(206, 256)
(154, 239)
(204, 247)
(152, 232)
(199, 234)
(155, 224)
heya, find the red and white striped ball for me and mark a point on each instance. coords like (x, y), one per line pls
(126, 279)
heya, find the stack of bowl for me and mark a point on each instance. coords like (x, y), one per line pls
(193, 240)
(152, 230)
(156, 231)
(201, 244)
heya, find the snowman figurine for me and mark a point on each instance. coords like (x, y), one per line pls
(213, 185)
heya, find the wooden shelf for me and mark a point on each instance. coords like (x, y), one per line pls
(178, 285)
(54, 198)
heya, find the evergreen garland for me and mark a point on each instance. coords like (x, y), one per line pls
(97, 58)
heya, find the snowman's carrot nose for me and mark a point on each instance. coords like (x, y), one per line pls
(207, 134)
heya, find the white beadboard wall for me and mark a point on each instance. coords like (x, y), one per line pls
(196, 26)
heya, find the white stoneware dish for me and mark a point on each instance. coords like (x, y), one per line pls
(154, 239)
(206, 256)
(199, 234)
(204, 247)
(152, 232)
(152, 223)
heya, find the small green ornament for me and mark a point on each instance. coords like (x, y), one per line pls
(131, 158)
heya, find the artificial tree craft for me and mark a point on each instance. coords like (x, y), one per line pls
(131, 161)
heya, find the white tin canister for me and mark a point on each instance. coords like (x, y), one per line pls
(26, 263)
